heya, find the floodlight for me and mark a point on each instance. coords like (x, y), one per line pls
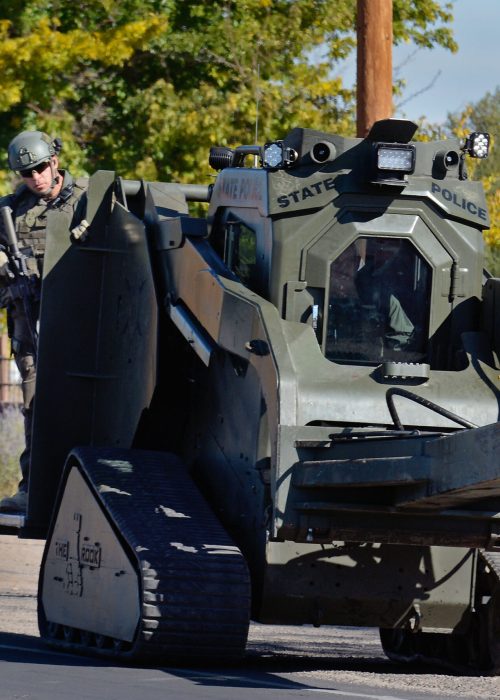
(477, 144)
(396, 157)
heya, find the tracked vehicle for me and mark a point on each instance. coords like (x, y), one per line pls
(285, 410)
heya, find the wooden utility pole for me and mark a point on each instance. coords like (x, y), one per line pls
(374, 63)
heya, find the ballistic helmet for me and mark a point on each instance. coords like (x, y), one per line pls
(30, 148)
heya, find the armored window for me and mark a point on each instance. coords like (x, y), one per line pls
(378, 302)
(240, 253)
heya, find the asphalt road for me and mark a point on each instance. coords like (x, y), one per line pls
(281, 662)
(27, 670)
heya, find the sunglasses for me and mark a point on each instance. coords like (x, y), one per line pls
(36, 168)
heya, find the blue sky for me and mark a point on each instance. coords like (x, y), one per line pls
(464, 77)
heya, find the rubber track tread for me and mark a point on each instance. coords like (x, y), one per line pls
(493, 561)
(195, 589)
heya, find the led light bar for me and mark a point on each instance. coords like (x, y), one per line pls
(397, 158)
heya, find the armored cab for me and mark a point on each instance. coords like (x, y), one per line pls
(283, 410)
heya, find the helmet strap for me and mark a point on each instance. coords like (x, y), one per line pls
(55, 175)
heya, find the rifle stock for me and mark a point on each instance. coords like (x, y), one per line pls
(21, 287)
(10, 231)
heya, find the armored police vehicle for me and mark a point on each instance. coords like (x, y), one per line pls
(286, 410)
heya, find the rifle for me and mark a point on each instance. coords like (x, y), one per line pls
(23, 282)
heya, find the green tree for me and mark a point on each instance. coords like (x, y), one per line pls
(144, 87)
(484, 115)
(148, 96)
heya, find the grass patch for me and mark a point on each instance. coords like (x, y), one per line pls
(11, 446)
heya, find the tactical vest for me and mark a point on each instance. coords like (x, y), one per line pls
(30, 212)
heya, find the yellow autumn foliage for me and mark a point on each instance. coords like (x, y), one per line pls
(492, 190)
(46, 50)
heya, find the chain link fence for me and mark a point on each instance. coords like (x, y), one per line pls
(11, 420)
(10, 381)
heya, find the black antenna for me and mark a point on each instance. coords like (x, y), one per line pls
(257, 96)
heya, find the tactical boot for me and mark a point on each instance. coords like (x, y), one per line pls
(14, 504)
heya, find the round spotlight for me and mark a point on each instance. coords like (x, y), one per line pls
(220, 157)
(323, 152)
(446, 160)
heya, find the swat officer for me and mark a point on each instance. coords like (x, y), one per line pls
(44, 188)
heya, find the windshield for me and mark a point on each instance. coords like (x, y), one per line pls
(378, 302)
